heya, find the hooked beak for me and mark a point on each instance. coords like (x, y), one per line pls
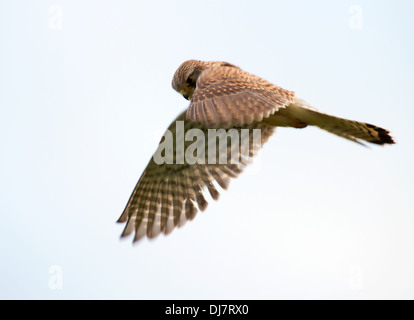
(185, 93)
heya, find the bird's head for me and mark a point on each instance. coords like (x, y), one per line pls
(187, 74)
(185, 78)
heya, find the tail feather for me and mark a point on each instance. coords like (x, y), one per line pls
(348, 129)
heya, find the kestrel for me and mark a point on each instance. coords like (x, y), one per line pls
(222, 96)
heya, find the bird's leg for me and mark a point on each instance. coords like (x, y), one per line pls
(279, 120)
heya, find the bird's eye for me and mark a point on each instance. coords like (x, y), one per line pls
(190, 81)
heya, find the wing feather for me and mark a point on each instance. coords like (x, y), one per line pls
(168, 195)
(227, 96)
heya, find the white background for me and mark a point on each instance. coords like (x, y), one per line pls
(85, 92)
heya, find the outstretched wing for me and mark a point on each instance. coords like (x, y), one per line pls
(167, 195)
(227, 96)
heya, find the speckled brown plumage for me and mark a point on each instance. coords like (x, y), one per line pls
(227, 96)
(168, 195)
(222, 96)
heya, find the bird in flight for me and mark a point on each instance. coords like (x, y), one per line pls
(222, 97)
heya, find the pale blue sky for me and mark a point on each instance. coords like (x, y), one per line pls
(83, 104)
